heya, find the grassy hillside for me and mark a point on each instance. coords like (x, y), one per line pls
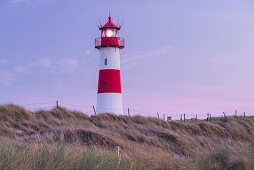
(61, 137)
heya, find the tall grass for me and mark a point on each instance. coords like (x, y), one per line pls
(45, 156)
(227, 156)
(60, 156)
(65, 139)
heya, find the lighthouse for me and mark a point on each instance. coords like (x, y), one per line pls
(109, 95)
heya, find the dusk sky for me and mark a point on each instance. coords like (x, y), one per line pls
(182, 56)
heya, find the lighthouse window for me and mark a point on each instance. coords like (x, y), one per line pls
(105, 85)
(106, 62)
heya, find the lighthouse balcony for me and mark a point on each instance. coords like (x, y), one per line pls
(109, 42)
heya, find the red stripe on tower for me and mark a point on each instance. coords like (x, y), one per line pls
(109, 81)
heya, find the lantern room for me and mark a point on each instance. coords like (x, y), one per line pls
(109, 36)
(109, 29)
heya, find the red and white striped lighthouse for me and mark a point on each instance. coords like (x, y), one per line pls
(109, 97)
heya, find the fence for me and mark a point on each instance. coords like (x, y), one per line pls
(91, 110)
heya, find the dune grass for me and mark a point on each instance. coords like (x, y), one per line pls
(61, 156)
(65, 139)
(40, 156)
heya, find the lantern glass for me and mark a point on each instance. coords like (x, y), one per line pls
(103, 33)
(110, 33)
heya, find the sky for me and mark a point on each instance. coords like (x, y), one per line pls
(192, 57)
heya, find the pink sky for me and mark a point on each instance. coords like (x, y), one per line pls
(180, 57)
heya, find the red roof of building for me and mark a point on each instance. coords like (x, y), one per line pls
(109, 24)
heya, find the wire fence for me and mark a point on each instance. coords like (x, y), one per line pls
(91, 110)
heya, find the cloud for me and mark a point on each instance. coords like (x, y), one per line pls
(68, 65)
(7, 78)
(87, 52)
(2, 61)
(134, 58)
(44, 62)
(20, 69)
(15, 3)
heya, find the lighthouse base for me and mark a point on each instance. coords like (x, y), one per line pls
(109, 103)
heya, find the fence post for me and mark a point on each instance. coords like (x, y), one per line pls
(235, 112)
(94, 110)
(207, 117)
(196, 117)
(243, 114)
(56, 103)
(181, 117)
(164, 117)
(224, 115)
(210, 117)
(184, 117)
(129, 112)
(158, 115)
(118, 151)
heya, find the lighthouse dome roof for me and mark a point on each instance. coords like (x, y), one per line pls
(109, 24)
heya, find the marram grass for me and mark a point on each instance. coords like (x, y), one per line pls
(60, 156)
(65, 139)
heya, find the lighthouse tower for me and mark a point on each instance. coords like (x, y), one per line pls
(109, 97)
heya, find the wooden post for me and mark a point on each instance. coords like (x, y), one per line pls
(184, 117)
(224, 116)
(158, 115)
(129, 112)
(94, 110)
(118, 151)
(243, 114)
(164, 117)
(235, 112)
(57, 104)
(181, 117)
(207, 117)
(210, 117)
(118, 154)
(196, 117)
